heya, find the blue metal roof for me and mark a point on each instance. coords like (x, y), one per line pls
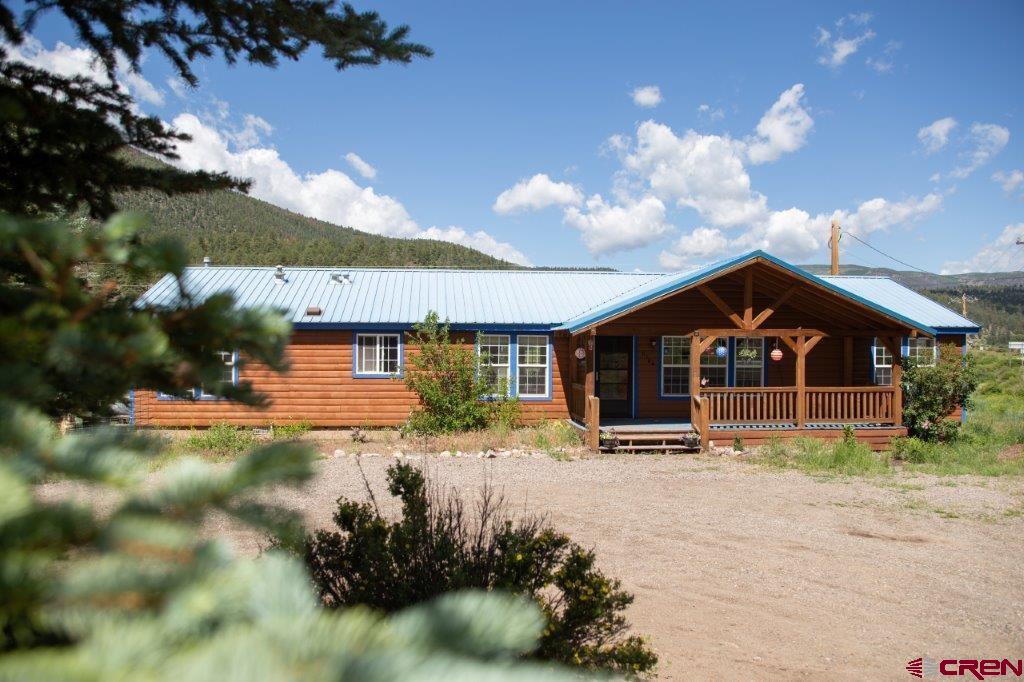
(401, 297)
(891, 298)
(570, 300)
(905, 301)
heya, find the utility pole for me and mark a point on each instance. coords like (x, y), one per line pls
(834, 243)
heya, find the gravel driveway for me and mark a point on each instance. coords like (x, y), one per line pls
(741, 572)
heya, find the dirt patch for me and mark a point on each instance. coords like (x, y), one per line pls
(856, 532)
(745, 573)
(1012, 452)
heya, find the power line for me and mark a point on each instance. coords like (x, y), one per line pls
(887, 255)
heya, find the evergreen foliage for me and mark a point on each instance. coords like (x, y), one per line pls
(60, 137)
(454, 392)
(438, 546)
(932, 392)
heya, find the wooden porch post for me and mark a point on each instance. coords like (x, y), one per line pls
(801, 381)
(897, 380)
(697, 416)
(591, 404)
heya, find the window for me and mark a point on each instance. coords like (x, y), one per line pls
(377, 354)
(675, 365)
(494, 361)
(532, 366)
(715, 367)
(749, 362)
(921, 350)
(883, 364)
(227, 376)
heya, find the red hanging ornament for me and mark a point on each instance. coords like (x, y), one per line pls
(776, 355)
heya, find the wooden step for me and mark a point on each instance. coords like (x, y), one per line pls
(649, 436)
(637, 448)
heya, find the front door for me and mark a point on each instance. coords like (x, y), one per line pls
(614, 372)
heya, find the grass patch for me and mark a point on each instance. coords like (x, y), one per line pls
(991, 444)
(290, 430)
(815, 456)
(221, 439)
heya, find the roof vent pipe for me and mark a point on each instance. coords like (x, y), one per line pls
(279, 274)
(341, 278)
(207, 261)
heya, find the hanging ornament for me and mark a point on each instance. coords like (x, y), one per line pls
(721, 351)
(776, 353)
(581, 353)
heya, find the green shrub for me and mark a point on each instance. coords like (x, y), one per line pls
(816, 456)
(737, 444)
(556, 434)
(440, 546)
(931, 393)
(453, 391)
(221, 439)
(290, 430)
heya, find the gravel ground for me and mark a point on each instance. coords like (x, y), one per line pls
(741, 572)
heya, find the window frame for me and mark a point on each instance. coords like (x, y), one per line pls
(875, 347)
(197, 391)
(357, 355)
(513, 363)
(546, 395)
(662, 365)
(735, 346)
(509, 390)
(910, 344)
(727, 365)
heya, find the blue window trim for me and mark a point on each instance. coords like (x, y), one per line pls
(198, 391)
(356, 374)
(661, 371)
(131, 406)
(513, 362)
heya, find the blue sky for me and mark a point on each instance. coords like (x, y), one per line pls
(902, 120)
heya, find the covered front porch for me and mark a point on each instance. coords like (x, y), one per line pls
(732, 374)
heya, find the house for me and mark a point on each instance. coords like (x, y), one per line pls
(746, 347)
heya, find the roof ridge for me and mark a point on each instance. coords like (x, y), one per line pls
(398, 268)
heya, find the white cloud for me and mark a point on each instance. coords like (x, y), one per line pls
(881, 65)
(1000, 255)
(935, 136)
(782, 129)
(68, 61)
(703, 172)
(329, 195)
(1009, 180)
(715, 114)
(178, 86)
(703, 244)
(479, 240)
(647, 96)
(837, 49)
(536, 193)
(880, 214)
(608, 227)
(989, 139)
(360, 166)
(859, 18)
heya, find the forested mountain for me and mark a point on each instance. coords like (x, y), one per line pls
(236, 229)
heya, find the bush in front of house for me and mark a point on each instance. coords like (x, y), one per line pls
(932, 392)
(454, 393)
(439, 545)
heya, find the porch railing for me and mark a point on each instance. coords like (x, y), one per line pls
(844, 405)
(748, 405)
(850, 405)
